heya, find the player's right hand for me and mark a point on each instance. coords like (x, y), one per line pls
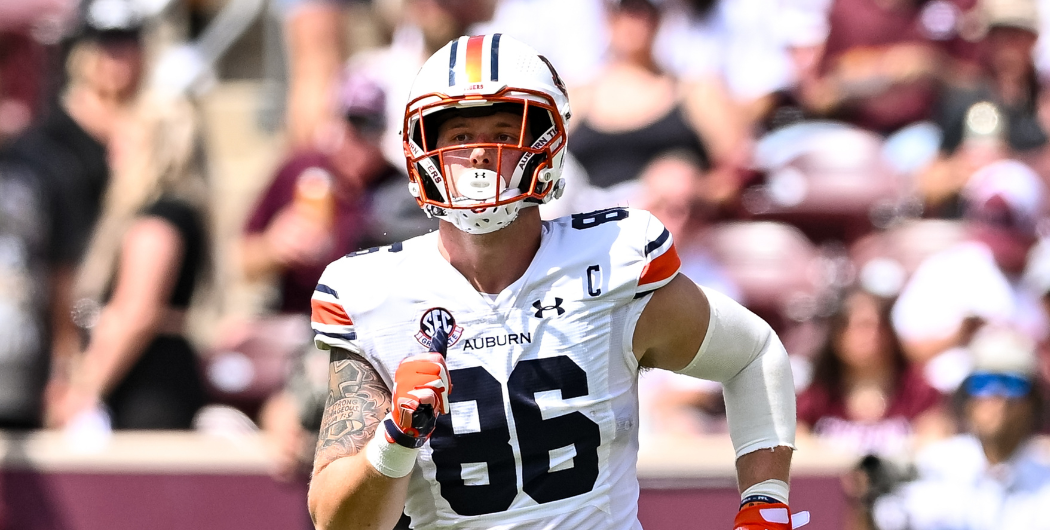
(420, 394)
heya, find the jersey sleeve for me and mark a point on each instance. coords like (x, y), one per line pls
(661, 261)
(329, 318)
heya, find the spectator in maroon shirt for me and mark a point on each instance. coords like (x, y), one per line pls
(864, 395)
(884, 60)
(326, 202)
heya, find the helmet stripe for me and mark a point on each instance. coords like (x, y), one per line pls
(494, 58)
(452, 62)
(474, 51)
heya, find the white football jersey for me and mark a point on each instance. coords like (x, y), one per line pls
(543, 428)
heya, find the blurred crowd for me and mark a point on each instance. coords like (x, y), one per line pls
(870, 176)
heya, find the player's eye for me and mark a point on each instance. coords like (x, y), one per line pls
(506, 138)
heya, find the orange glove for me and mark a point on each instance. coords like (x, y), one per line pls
(768, 516)
(421, 388)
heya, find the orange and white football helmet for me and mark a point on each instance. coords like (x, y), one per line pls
(476, 76)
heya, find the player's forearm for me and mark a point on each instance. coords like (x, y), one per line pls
(741, 351)
(350, 493)
(762, 465)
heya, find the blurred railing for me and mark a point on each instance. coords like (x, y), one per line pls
(136, 480)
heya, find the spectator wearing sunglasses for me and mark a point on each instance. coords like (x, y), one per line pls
(996, 474)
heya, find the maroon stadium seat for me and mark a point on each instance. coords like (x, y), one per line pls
(778, 270)
(830, 180)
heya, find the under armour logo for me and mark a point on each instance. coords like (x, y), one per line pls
(540, 308)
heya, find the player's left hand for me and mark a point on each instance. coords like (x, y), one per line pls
(768, 516)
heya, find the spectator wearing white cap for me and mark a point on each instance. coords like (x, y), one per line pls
(997, 474)
(979, 280)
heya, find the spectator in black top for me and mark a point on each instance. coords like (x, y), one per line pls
(632, 111)
(146, 257)
(65, 154)
(996, 116)
(1009, 82)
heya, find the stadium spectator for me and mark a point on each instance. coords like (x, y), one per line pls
(65, 154)
(632, 111)
(994, 475)
(146, 259)
(24, 214)
(327, 201)
(1008, 80)
(884, 61)
(864, 395)
(321, 205)
(982, 141)
(979, 280)
(993, 116)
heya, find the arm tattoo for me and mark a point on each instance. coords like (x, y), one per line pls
(357, 401)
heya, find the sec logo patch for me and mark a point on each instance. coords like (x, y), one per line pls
(434, 318)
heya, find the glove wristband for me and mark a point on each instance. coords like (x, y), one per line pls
(390, 459)
(757, 499)
(394, 434)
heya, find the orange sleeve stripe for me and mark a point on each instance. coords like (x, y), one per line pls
(474, 46)
(661, 268)
(329, 313)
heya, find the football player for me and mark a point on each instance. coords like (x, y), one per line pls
(485, 375)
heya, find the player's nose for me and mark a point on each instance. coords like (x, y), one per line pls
(482, 158)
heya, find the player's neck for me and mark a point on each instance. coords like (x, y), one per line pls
(491, 262)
